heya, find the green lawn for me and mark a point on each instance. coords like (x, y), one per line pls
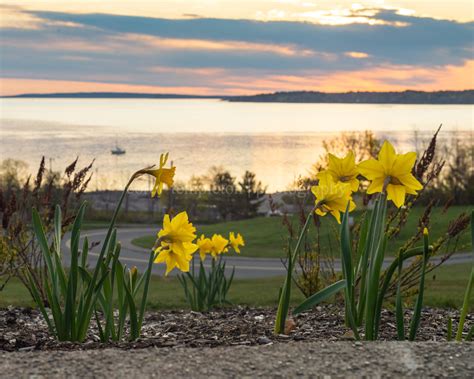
(445, 288)
(266, 236)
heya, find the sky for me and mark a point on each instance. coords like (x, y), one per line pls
(232, 47)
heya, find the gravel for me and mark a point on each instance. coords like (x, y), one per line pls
(304, 359)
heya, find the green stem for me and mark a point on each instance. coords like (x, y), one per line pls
(470, 285)
(465, 306)
(399, 305)
(376, 258)
(388, 277)
(415, 322)
(145, 289)
(283, 303)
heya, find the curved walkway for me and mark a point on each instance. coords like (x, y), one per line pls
(245, 267)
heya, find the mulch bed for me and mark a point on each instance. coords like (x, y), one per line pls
(23, 329)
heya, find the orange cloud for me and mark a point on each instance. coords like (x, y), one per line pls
(200, 44)
(217, 81)
(356, 54)
(375, 79)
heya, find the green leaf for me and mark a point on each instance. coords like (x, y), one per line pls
(43, 242)
(57, 229)
(84, 253)
(39, 303)
(320, 296)
(348, 273)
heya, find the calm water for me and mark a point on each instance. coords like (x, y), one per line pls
(276, 141)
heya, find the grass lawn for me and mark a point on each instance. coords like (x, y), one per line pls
(444, 288)
(266, 236)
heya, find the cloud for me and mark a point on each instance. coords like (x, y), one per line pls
(141, 51)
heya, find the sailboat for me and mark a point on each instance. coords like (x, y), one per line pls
(117, 150)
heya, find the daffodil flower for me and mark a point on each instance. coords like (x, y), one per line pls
(332, 197)
(219, 245)
(175, 242)
(205, 245)
(236, 241)
(162, 175)
(343, 170)
(391, 172)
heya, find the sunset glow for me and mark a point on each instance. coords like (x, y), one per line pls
(235, 47)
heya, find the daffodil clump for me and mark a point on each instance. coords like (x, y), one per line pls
(177, 243)
(217, 245)
(389, 177)
(206, 289)
(390, 174)
(78, 294)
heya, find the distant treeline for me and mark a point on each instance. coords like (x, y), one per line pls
(111, 95)
(405, 97)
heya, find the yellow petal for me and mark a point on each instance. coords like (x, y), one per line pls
(376, 186)
(337, 216)
(403, 164)
(409, 181)
(170, 264)
(352, 206)
(163, 254)
(354, 185)
(348, 163)
(371, 169)
(396, 193)
(319, 212)
(325, 178)
(167, 176)
(334, 163)
(182, 263)
(387, 155)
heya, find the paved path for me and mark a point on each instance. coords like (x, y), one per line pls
(245, 267)
(303, 359)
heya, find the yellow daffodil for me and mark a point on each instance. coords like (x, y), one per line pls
(343, 170)
(175, 242)
(219, 245)
(332, 197)
(162, 175)
(205, 246)
(236, 241)
(391, 172)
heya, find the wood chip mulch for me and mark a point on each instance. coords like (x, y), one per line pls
(23, 329)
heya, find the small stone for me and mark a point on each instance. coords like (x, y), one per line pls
(263, 340)
(290, 325)
(349, 335)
